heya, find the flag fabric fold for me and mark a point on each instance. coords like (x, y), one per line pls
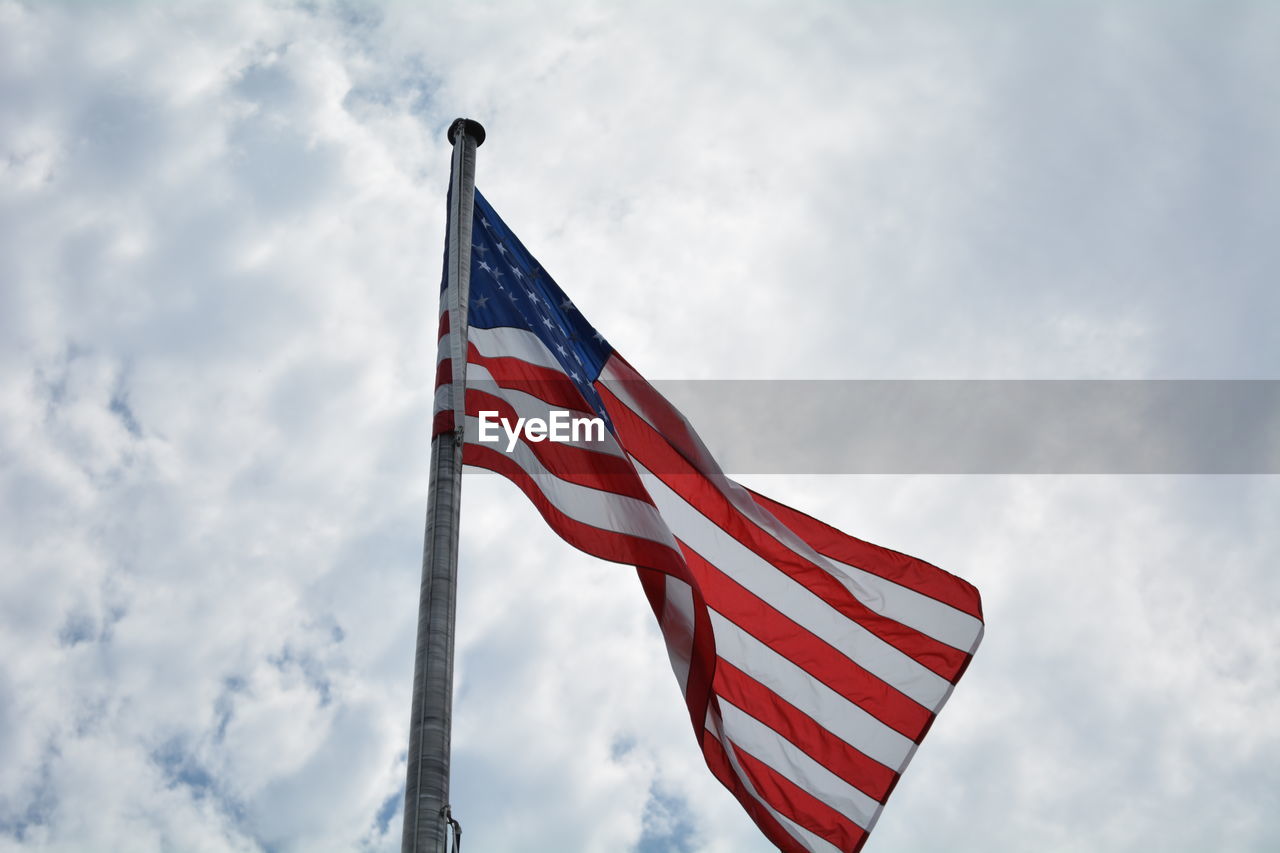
(812, 663)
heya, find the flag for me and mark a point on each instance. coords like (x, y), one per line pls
(812, 663)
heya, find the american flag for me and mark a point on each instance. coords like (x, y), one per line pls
(812, 663)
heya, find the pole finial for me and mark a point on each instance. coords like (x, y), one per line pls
(470, 127)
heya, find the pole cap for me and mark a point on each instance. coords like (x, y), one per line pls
(471, 128)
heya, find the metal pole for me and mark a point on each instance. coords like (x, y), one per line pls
(426, 793)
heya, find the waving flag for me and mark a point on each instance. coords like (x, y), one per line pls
(812, 663)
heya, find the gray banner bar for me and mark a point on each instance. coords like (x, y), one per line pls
(985, 426)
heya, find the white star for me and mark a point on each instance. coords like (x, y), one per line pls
(481, 301)
(485, 267)
(486, 225)
(497, 273)
(519, 273)
(546, 321)
(502, 249)
(576, 377)
(512, 297)
(567, 305)
(533, 297)
(479, 248)
(561, 350)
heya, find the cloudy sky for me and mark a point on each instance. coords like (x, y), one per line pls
(220, 237)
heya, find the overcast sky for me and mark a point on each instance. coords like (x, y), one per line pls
(220, 238)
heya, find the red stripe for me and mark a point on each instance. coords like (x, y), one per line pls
(864, 773)
(655, 589)
(702, 654)
(655, 453)
(703, 661)
(719, 764)
(798, 804)
(902, 569)
(545, 383)
(814, 655)
(442, 422)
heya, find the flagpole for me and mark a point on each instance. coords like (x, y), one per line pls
(426, 794)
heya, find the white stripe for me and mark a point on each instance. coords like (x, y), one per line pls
(804, 837)
(509, 342)
(855, 726)
(792, 763)
(916, 610)
(793, 599)
(531, 406)
(940, 621)
(677, 628)
(606, 510)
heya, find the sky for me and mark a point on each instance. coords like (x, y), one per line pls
(220, 236)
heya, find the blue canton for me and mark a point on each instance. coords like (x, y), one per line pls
(510, 288)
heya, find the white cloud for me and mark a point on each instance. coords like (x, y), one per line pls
(220, 234)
